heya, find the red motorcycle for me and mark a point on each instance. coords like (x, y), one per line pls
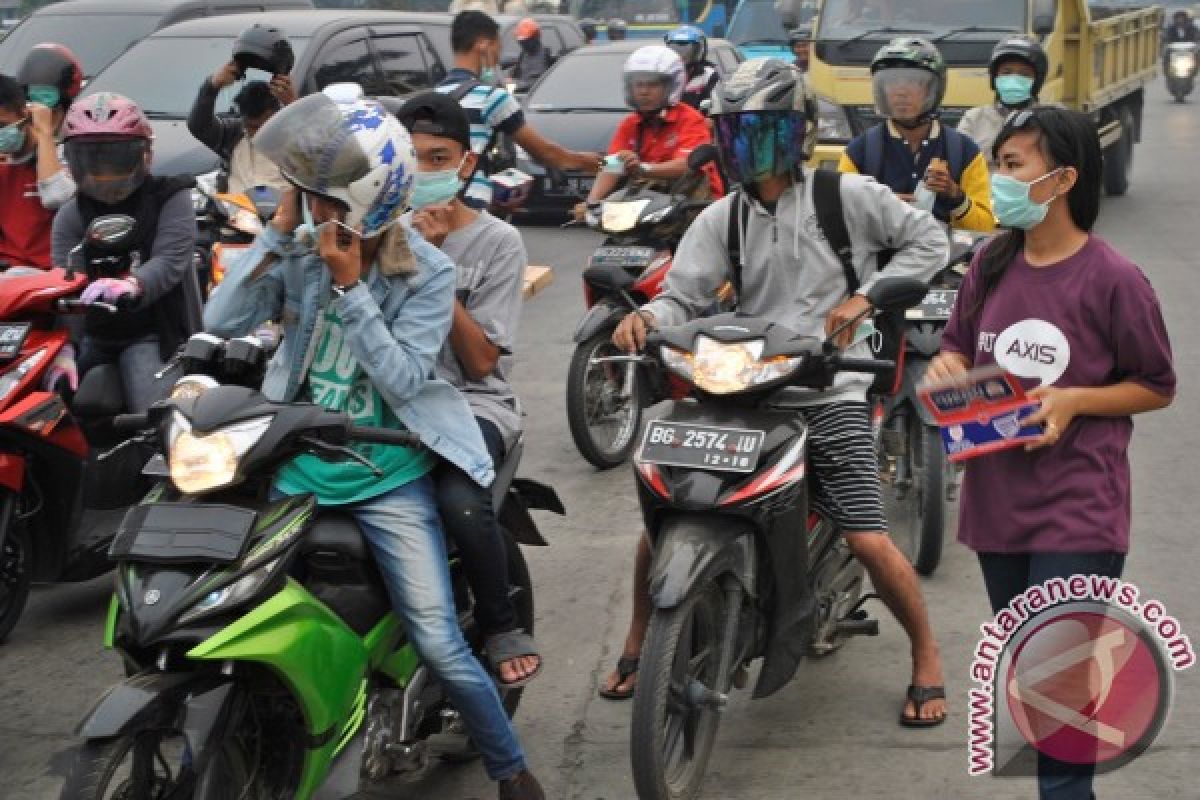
(607, 389)
(59, 508)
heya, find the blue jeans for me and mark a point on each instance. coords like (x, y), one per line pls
(405, 534)
(1006, 575)
(138, 360)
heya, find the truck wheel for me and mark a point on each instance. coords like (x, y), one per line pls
(1118, 159)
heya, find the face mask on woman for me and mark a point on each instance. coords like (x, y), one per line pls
(1012, 205)
(436, 188)
(12, 138)
(1014, 90)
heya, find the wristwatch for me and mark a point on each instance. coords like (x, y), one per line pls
(340, 291)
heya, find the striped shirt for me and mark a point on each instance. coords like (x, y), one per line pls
(489, 108)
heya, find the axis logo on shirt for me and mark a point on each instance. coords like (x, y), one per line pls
(1076, 669)
(1033, 348)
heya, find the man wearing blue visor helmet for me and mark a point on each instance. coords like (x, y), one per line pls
(766, 123)
(701, 75)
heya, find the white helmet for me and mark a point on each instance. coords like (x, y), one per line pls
(346, 147)
(655, 61)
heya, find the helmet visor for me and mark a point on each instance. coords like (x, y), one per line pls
(314, 146)
(904, 93)
(689, 52)
(108, 170)
(756, 145)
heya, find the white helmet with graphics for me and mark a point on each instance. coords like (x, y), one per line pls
(655, 62)
(344, 146)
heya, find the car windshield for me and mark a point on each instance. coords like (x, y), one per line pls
(96, 39)
(757, 21)
(162, 74)
(582, 80)
(635, 12)
(844, 19)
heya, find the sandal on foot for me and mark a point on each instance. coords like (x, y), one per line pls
(920, 695)
(626, 669)
(502, 647)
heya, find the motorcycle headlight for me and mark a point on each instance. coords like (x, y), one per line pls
(657, 216)
(832, 123)
(190, 386)
(204, 462)
(1181, 66)
(728, 367)
(13, 377)
(621, 217)
(229, 596)
(241, 219)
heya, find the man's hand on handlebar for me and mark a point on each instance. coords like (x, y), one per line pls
(630, 334)
(855, 306)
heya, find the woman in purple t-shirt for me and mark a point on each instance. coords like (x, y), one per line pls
(1058, 307)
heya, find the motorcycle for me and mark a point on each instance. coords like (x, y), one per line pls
(918, 482)
(226, 225)
(742, 570)
(61, 500)
(1180, 68)
(605, 401)
(262, 654)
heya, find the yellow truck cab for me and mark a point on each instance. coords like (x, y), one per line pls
(1100, 60)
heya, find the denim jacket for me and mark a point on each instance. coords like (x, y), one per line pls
(396, 326)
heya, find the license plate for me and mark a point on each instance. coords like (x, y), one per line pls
(936, 306)
(12, 336)
(677, 444)
(571, 187)
(623, 256)
(174, 533)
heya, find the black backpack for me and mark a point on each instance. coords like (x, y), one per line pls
(827, 198)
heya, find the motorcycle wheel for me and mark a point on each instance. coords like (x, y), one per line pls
(672, 738)
(1180, 97)
(930, 473)
(603, 418)
(16, 567)
(142, 764)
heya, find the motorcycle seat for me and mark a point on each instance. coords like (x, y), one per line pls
(337, 532)
(101, 393)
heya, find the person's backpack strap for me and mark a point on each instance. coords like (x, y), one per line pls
(874, 144)
(739, 214)
(827, 198)
(463, 89)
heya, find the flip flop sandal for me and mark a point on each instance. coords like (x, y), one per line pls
(920, 695)
(626, 668)
(506, 646)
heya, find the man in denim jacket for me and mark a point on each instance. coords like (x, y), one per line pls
(366, 306)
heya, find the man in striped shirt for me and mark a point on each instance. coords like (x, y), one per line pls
(492, 111)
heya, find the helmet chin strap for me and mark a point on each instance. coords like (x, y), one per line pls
(912, 125)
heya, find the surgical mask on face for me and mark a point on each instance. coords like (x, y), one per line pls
(1014, 90)
(1012, 205)
(12, 138)
(436, 188)
(308, 233)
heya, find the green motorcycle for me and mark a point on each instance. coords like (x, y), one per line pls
(262, 655)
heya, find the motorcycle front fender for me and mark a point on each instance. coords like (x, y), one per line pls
(599, 317)
(143, 700)
(693, 548)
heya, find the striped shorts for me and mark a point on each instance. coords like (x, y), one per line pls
(845, 467)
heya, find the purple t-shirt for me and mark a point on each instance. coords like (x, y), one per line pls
(1090, 320)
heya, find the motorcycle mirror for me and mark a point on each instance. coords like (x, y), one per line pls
(111, 231)
(704, 154)
(897, 294)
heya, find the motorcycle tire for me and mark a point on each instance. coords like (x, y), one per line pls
(584, 396)
(673, 640)
(1180, 97)
(926, 443)
(16, 568)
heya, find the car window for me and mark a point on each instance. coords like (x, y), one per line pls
(404, 61)
(163, 73)
(583, 79)
(348, 61)
(96, 39)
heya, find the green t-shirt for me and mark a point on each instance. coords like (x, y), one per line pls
(337, 382)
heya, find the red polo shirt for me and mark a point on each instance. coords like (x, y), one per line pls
(671, 135)
(24, 223)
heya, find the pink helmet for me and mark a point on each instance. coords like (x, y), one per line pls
(106, 114)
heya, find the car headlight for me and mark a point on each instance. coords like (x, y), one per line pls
(229, 596)
(832, 123)
(728, 367)
(204, 462)
(13, 377)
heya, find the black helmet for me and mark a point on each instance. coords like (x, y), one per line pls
(1020, 48)
(912, 54)
(55, 66)
(617, 29)
(264, 47)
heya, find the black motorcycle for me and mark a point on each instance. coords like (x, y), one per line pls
(741, 568)
(1180, 66)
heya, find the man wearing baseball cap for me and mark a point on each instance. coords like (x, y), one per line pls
(477, 359)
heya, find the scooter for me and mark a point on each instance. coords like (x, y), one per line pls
(605, 402)
(226, 225)
(742, 568)
(262, 654)
(61, 500)
(1180, 68)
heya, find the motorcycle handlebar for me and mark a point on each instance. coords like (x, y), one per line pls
(863, 364)
(383, 436)
(68, 304)
(131, 423)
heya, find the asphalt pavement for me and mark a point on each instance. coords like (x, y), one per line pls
(833, 732)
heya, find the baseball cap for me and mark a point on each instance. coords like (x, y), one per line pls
(438, 115)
